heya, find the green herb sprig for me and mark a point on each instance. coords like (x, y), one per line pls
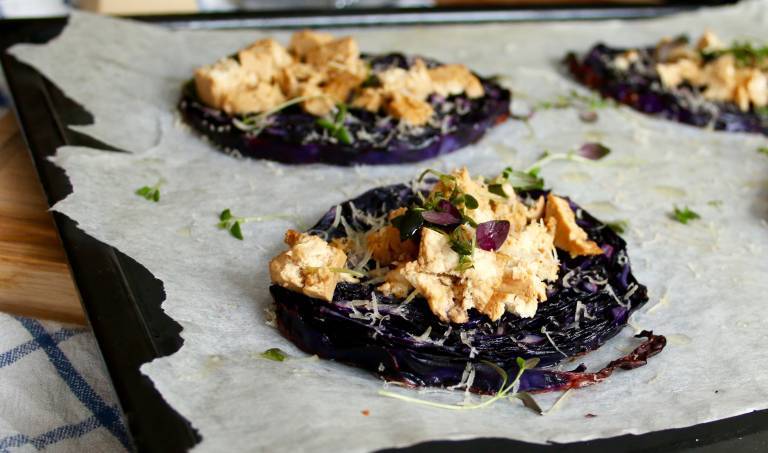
(151, 193)
(256, 123)
(745, 53)
(232, 223)
(684, 215)
(336, 127)
(503, 392)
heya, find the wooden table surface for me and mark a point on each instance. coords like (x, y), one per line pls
(35, 279)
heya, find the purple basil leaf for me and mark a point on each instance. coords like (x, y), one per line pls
(594, 151)
(445, 214)
(491, 235)
(440, 218)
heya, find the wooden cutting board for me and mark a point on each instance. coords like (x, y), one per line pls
(35, 279)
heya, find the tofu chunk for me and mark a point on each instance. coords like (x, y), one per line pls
(414, 82)
(370, 99)
(568, 235)
(411, 110)
(451, 79)
(214, 83)
(395, 284)
(386, 247)
(307, 267)
(253, 99)
(318, 103)
(264, 58)
(342, 54)
(304, 41)
(339, 87)
(480, 283)
(435, 253)
(438, 291)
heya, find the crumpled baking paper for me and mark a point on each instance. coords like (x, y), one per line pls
(706, 279)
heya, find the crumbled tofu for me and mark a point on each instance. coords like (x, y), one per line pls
(438, 291)
(568, 235)
(214, 82)
(624, 60)
(521, 294)
(395, 284)
(370, 99)
(386, 247)
(317, 102)
(340, 87)
(480, 283)
(757, 87)
(410, 110)
(253, 99)
(673, 74)
(532, 251)
(341, 53)
(304, 41)
(264, 58)
(435, 253)
(291, 78)
(329, 71)
(709, 42)
(511, 210)
(307, 267)
(536, 210)
(722, 79)
(453, 79)
(414, 82)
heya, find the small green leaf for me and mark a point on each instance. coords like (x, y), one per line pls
(343, 135)
(465, 263)
(144, 191)
(523, 181)
(236, 231)
(156, 195)
(225, 215)
(276, 354)
(520, 363)
(763, 150)
(531, 363)
(618, 226)
(684, 215)
(470, 202)
(341, 114)
(326, 124)
(528, 401)
(408, 224)
(497, 189)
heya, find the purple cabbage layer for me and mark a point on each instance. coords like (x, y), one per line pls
(646, 94)
(391, 344)
(293, 137)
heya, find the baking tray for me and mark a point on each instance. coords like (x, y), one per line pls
(122, 299)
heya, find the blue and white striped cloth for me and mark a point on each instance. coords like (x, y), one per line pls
(55, 394)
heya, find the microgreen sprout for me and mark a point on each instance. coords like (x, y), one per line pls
(228, 221)
(684, 215)
(336, 127)
(151, 193)
(585, 104)
(763, 150)
(586, 153)
(276, 354)
(256, 123)
(745, 53)
(503, 392)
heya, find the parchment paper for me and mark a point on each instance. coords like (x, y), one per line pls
(707, 279)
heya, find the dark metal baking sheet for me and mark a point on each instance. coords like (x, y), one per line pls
(122, 299)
